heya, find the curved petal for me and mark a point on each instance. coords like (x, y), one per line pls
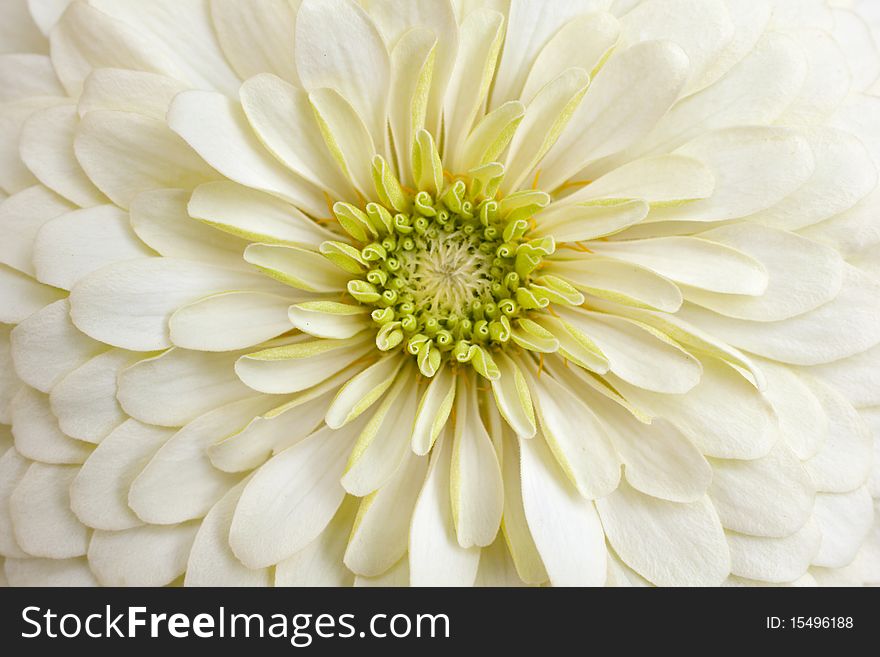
(179, 385)
(142, 556)
(668, 543)
(127, 304)
(99, 493)
(42, 520)
(291, 498)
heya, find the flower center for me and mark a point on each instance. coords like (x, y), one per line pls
(449, 272)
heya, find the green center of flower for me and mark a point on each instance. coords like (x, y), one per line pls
(447, 273)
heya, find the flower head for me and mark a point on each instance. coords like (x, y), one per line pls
(577, 292)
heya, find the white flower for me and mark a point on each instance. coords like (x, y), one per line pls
(577, 292)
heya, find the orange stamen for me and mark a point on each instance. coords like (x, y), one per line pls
(329, 203)
(574, 183)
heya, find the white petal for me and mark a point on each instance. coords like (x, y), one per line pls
(47, 149)
(320, 562)
(518, 537)
(689, 336)
(724, 416)
(13, 467)
(385, 442)
(183, 32)
(660, 180)
(754, 92)
(530, 27)
(127, 304)
(301, 268)
(363, 390)
(622, 576)
(576, 437)
(850, 231)
(565, 526)
(256, 36)
(803, 424)
(291, 498)
(587, 221)
(512, 397)
(99, 493)
(828, 80)
(475, 484)
(769, 496)
(774, 559)
(855, 117)
(9, 381)
(631, 92)
(394, 17)
(693, 261)
(490, 135)
(338, 47)
(20, 32)
(65, 573)
(397, 576)
(868, 558)
(21, 217)
(299, 366)
(125, 153)
(36, 431)
(43, 523)
(802, 13)
(435, 557)
(545, 118)
(668, 543)
(497, 568)
(847, 325)
(84, 401)
(14, 175)
(211, 561)
(658, 459)
(582, 41)
(285, 122)
(179, 385)
(380, 534)
(160, 220)
(480, 37)
(347, 138)
(637, 353)
(675, 20)
(141, 556)
(844, 461)
(433, 411)
(329, 319)
(857, 377)
(217, 129)
(853, 33)
(75, 244)
(86, 38)
(845, 520)
(46, 346)
(21, 296)
(801, 274)
(230, 321)
(127, 90)
(274, 431)
(412, 66)
(754, 168)
(254, 216)
(179, 483)
(844, 175)
(619, 281)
